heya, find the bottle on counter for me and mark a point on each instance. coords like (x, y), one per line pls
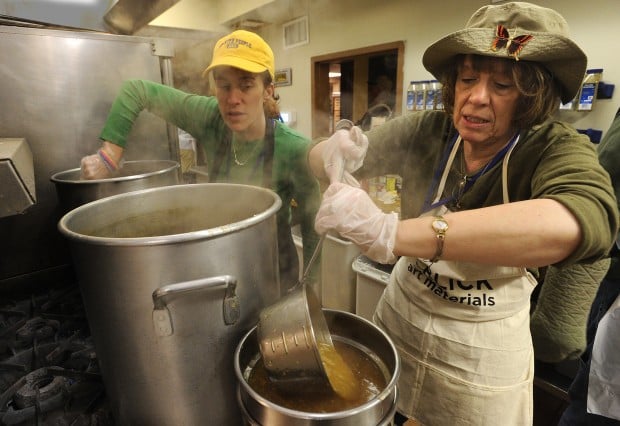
(187, 146)
(420, 95)
(410, 96)
(432, 90)
(438, 95)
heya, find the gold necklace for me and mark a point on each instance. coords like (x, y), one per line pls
(250, 155)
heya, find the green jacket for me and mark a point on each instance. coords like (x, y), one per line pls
(609, 156)
(551, 160)
(200, 117)
(559, 321)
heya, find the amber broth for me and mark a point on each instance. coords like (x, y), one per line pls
(339, 374)
(368, 376)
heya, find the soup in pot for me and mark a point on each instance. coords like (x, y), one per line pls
(368, 377)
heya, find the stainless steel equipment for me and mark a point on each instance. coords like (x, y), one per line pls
(17, 176)
(290, 333)
(128, 16)
(122, 16)
(57, 88)
(257, 410)
(172, 278)
(133, 176)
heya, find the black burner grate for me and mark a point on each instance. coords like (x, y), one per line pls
(49, 374)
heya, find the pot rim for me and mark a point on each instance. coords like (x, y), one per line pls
(63, 224)
(62, 177)
(390, 388)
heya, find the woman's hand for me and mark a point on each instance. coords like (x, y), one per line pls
(105, 162)
(343, 153)
(350, 212)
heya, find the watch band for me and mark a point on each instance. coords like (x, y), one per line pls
(440, 226)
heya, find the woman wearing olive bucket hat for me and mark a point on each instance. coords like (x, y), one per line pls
(493, 189)
(238, 129)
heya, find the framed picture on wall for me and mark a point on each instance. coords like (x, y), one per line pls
(283, 77)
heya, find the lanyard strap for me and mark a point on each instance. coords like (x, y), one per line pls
(438, 184)
(268, 153)
(441, 174)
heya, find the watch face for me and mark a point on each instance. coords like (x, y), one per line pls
(440, 225)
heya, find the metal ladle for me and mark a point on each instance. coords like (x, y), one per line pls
(291, 330)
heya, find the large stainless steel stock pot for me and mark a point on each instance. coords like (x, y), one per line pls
(172, 278)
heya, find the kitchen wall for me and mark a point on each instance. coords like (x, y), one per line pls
(349, 24)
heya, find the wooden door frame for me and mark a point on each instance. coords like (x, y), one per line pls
(320, 81)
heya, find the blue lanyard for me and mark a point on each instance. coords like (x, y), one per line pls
(470, 179)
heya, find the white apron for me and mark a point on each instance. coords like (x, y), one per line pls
(462, 331)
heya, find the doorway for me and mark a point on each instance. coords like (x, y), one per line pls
(347, 84)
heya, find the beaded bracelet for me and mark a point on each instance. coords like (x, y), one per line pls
(107, 160)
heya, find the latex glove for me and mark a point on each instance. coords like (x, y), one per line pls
(344, 147)
(98, 166)
(351, 212)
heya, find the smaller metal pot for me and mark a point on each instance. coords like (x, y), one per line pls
(257, 410)
(72, 191)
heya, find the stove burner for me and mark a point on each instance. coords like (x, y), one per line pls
(49, 374)
(36, 328)
(39, 387)
(40, 392)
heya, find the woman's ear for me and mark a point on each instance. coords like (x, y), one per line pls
(269, 91)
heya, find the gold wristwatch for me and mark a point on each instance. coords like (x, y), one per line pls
(440, 226)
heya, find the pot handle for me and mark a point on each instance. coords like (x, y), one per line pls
(162, 319)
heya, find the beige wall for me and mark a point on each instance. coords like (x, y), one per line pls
(348, 24)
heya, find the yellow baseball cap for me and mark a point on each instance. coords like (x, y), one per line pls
(244, 50)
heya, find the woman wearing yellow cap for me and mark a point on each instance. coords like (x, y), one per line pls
(242, 141)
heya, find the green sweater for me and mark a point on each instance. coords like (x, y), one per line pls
(200, 117)
(551, 160)
(609, 156)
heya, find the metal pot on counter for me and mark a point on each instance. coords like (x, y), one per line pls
(263, 406)
(172, 278)
(72, 191)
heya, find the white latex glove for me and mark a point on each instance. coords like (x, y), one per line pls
(344, 147)
(350, 212)
(98, 166)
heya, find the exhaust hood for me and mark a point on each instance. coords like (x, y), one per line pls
(120, 16)
(129, 16)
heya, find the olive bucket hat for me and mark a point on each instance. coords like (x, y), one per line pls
(518, 30)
